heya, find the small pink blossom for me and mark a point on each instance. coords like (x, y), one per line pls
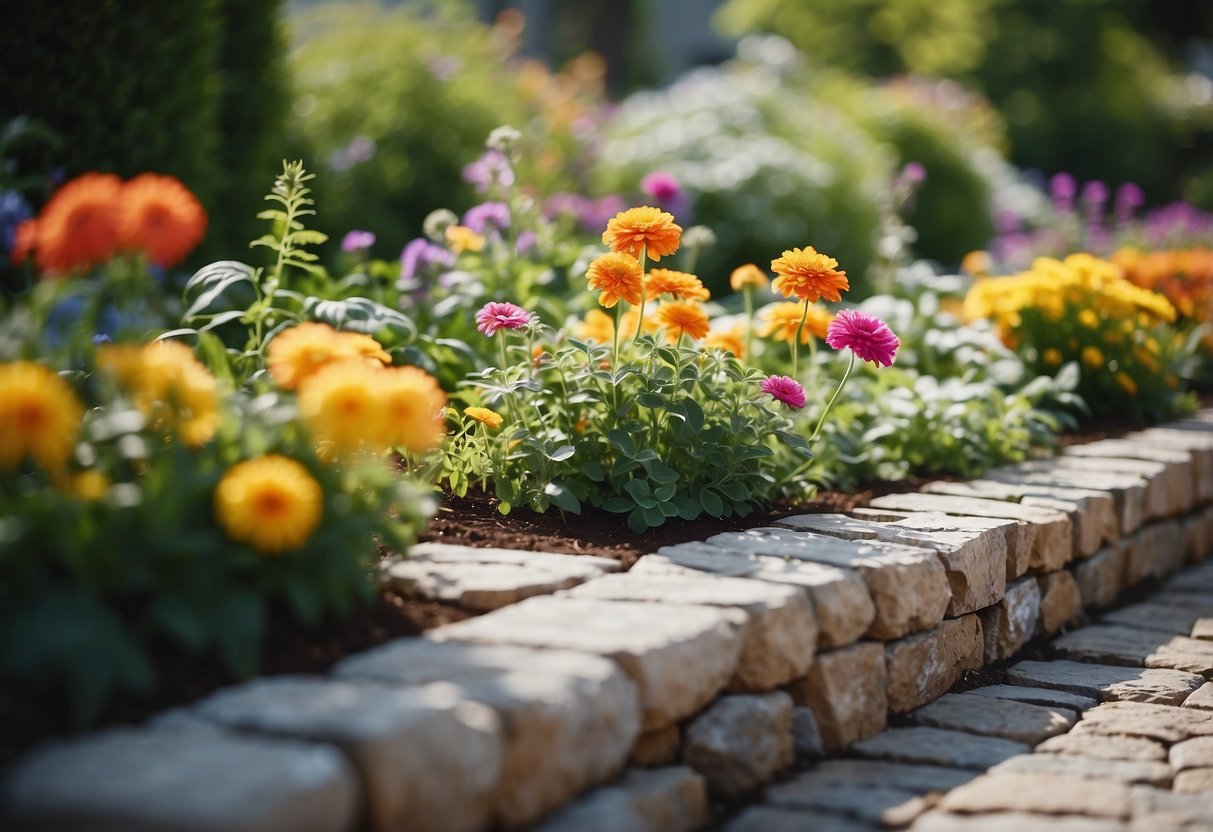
(866, 335)
(784, 389)
(495, 316)
(661, 186)
(357, 240)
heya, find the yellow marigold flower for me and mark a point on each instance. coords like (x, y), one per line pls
(729, 340)
(643, 229)
(460, 238)
(1088, 318)
(1052, 357)
(39, 416)
(679, 317)
(977, 263)
(1126, 383)
(618, 277)
(296, 353)
(598, 326)
(412, 404)
(1092, 357)
(270, 502)
(89, 486)
(342, 406)
(809, 275)
(489, 418)
(679, 284)
(781, 320)
(749, 276)
(171, 387)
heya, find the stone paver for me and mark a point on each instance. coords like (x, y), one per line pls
(678, 662)
(1092, 513)
(1060, 601)
(840, 598)
(973, 558)
(1194, 781)
(1193, 753)
(1099, 577)
(1004, 718)
(1201, 698)
(1150, 615)
(1148, 772)
(1159, 810)
(847, 690)
(1009, 624)
(1105, 747)
(1037, 696)
(1107, 682)
(1199, 445)
(1175, 463)
(1016, 535)
(1129, 491)
(1051, 548)
(187, 780)
(1115, 644)
(670, 799)
(420, 752)
(770, 819)
(1138, 719)
(1198, 580)
(937, 746)
(486, 579)
(1161, 494)
(780, 636)
(1043, 793)
(741, 741)
(908, 586)
(921, 667)
(1013, 822)
(568, 719)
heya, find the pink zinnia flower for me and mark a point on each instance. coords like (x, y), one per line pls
(495, 316)
(866, 335)
(785, 389)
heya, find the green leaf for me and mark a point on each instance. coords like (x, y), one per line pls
(622, 441)
(660, 472)
(654, 516)
(693, 424)
(637, 521)
(664, 492)
(562, 453)
(711, 503)
(238, 624)
(650, 400)
(219, 287)
(562, 497)
(361, 315)
(592, 471)
(639, 491)
(618, 505)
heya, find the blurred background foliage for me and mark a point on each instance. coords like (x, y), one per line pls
(389, 101)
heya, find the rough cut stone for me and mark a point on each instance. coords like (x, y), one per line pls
(1099, 577)
(1159, 809)
(181, 780)
(1037, 696)
(1161, 495)
(568, 719)
(658, 747)
(1092, 513)
(486, 579)
(923, 666)
(741, 741)
(1018, 721)
(1052, 547)
(1201, 698)
(908, 585)
(1194, 781)
(670, 799)
(1197, 530)
(1060, 601)
(807, 744)
(936, 746)
(421, 752)
(973, 559)
(780, 636)
(840, 598)
(1165, 618)
(1105, 747)
(1106, 682)
(1050, 794)
(1013, 822)
(770, 819)
(1176, 466)
(1017, 536)
(1114, 644)
(1128, 490)
(679, 660)
(1149, 772)
(1155, 550)
(1202, 629)
(1193, 753)
(1137, 719)
(1009, 624)
(847, 690)
(1199, 445)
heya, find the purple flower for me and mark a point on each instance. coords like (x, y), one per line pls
(1094, 194)
(525, 242)
(595, 213)
(494, 316)
(357, 240)
(784, 389)
(914, 173)
(865, 335)
(661, 186)
(564, 203)
(1129, 197)
(419, 254)
(491, 169)
(1063, 188)
(480, 217)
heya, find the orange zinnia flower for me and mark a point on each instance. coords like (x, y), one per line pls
(809, 275)
(729, 340)
(680, 316)
(617, 276)
(79, 227)
(748, 276)
(161, 218)
(781, 320)
(643, 229)
(679, 284)
(24, 239)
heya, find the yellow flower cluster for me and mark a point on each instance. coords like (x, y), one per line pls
(39, 416)
(270, 502)
(171, 387)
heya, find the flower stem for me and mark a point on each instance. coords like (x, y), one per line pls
(509, 397)
(749, 330)
(834, 398)
(796, 340)
(644, 252)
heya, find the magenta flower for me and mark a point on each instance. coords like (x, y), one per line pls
(784, 389)
(866, 335)
(357, 240)
(661, 186)
(495, 316)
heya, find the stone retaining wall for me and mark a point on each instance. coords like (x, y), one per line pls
(586, 700)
